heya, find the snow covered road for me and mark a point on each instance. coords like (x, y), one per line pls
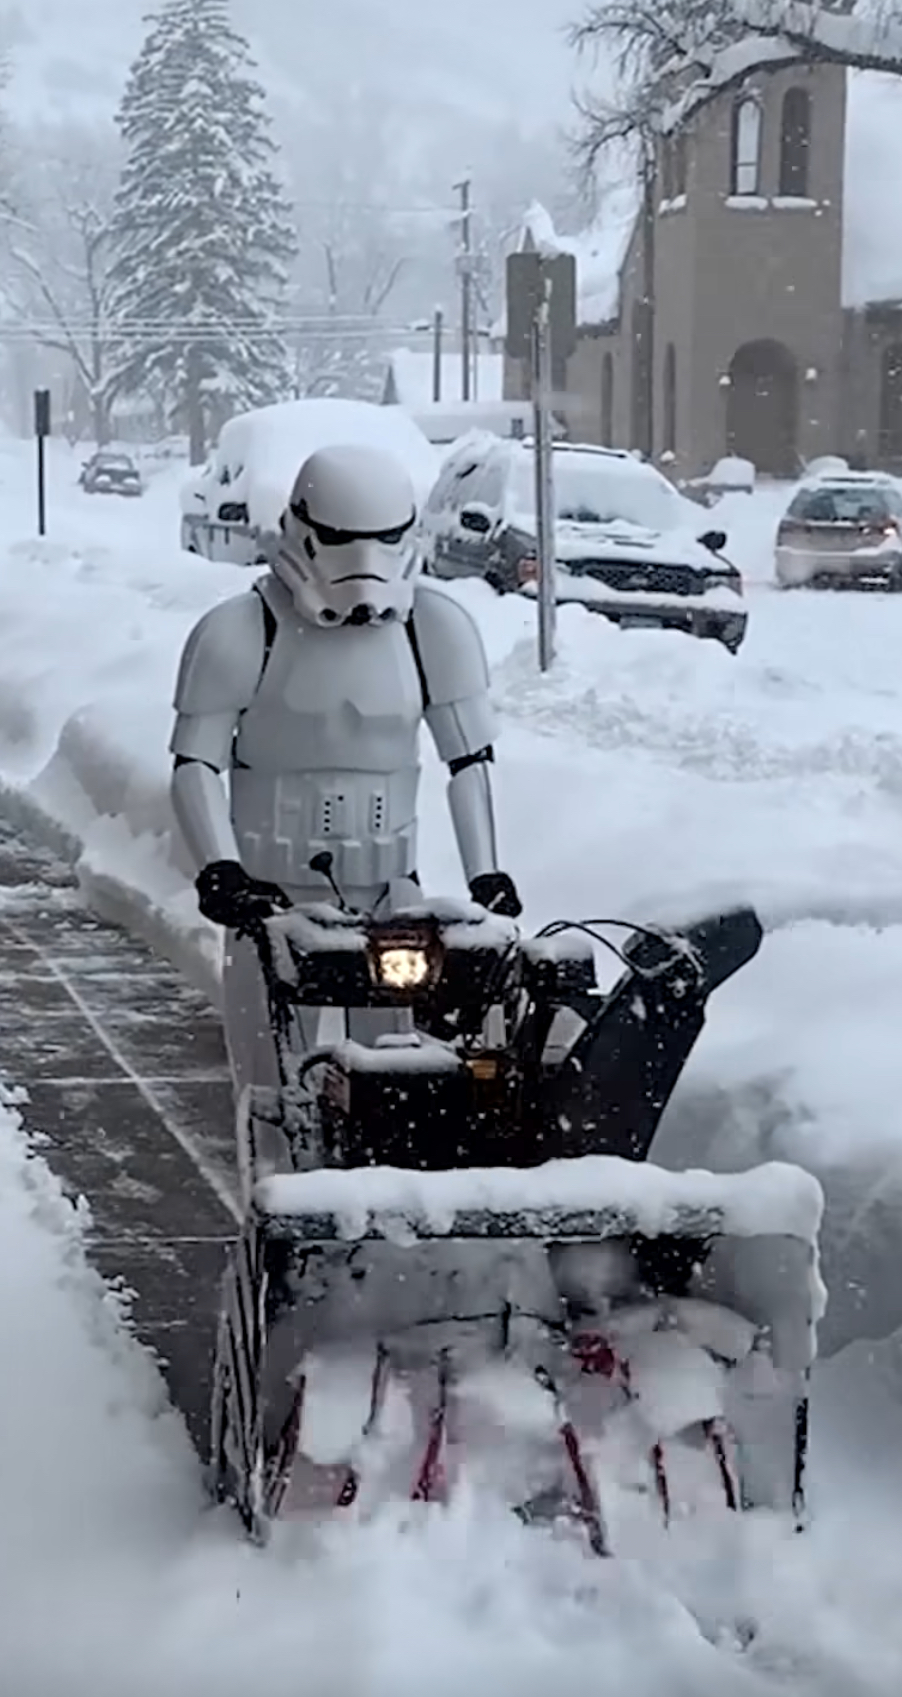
(648, 777)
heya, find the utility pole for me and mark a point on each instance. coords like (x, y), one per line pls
(465, 266)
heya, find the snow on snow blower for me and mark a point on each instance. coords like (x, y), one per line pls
(455, 1260)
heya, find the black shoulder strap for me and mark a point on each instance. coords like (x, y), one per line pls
(270, 626)
(413, 639)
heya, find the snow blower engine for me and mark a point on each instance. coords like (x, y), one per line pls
(455, 1259)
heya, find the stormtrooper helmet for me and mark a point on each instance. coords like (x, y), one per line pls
(348, 551)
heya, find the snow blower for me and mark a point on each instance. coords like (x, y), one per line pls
(455, 1260)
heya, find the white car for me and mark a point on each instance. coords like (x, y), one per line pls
(627, 545)
(842, 530)
(233, 504)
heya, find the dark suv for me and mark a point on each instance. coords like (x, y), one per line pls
(110, 474)
(626, 543)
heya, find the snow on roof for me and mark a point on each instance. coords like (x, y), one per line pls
(863, 36)
(599, 251)
(412, 371)
(728, 66)
(872, 230)
(444, 422)
(865, 31)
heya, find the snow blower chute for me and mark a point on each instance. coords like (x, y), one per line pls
(455, 1259)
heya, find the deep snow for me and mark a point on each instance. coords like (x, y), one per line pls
(647, 776)
(104, 1535)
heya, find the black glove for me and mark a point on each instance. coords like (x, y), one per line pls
(230, 896)
(497, 892)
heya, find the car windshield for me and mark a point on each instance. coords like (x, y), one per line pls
(120, 462)
(589, 489)
(847, 504)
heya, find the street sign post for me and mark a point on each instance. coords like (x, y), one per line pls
(42, 431)
(541, 334)
(544, 475)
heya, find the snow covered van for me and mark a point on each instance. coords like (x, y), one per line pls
(229, 505)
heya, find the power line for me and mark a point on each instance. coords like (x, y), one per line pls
(189, 336)
(297, 321)
(325, 327)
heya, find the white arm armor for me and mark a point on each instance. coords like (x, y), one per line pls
(218, 675)
(459, 715)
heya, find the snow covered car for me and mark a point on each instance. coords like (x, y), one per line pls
(728, 476)
(235, 501)
(627, 545)
(110, 474)
(842, 531)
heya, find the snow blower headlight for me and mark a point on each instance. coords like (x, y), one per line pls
(402, 969)
(405, 962)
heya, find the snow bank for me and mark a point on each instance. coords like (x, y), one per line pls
(93, 620)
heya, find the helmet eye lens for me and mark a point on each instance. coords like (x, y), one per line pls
(327, 537)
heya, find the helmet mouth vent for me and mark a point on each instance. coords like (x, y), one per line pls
(361, 577)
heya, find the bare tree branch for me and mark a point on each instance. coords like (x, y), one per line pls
(672, 58)
(69, 342)
(376, 294)
(60, 259)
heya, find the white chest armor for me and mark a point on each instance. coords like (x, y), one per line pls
(326, 698)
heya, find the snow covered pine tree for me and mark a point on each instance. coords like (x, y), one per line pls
(202, 232)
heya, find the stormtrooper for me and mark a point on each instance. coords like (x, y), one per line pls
(308, 691)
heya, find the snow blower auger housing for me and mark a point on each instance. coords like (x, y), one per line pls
(453, 1258)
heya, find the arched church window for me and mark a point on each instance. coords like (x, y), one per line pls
(795, 142)
(607, 401)
(745, 163)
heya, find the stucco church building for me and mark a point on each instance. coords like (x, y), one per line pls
(754, 307)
